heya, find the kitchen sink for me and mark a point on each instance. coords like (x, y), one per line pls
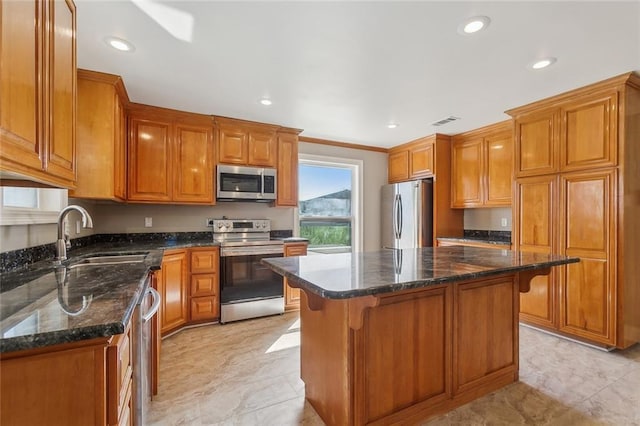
(109, 260)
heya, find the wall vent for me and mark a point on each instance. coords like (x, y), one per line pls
(444, 121)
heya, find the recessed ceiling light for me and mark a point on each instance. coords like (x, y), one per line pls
(119, 44)
(392, 125)
(265, 101)
(473, 25)
(542, 63)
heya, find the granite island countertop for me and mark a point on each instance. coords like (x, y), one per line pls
(346, 275)
(41, 305)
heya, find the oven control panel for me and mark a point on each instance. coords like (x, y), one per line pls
(223, 226)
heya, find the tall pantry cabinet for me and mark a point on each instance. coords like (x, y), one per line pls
(577, 171)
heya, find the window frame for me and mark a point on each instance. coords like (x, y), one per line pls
(356, 167)
(50, 202)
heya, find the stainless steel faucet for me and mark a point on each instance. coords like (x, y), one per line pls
(63, 239)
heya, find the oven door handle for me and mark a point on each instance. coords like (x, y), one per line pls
(154, 306)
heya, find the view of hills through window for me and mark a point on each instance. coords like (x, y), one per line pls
(325, 206)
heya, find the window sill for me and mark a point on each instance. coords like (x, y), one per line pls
(15, 217)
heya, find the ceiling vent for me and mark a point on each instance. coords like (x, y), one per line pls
(444, 121)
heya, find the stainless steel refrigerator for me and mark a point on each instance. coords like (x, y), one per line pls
(407, 214)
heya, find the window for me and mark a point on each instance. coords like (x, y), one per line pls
(329, 206)
(25, 206)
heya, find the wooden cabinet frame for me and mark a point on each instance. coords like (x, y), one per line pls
(171, 157)
(38, 119)
(591, 154)
(481, 165)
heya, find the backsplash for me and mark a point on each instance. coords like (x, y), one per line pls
(488, 235)
(15, 259)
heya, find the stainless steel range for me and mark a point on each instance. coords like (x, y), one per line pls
(248, 288)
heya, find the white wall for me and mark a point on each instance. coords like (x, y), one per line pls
(487, 219)
(113, 218)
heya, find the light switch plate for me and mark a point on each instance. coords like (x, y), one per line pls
(148, 222)
(503, 222)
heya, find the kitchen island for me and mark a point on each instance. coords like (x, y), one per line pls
(398, 336)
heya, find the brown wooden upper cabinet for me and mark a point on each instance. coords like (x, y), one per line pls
(287, 169)
(577, 135)
(481, 167)
(101, 137)
(413, 160)
(170, 156)
(246, 143)
(38, 86)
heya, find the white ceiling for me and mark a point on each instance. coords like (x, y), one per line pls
(344, 70)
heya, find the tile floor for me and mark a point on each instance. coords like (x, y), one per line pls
(247, 373)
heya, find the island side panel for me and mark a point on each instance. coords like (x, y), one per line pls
(402, 356)
(485, 335)
(325, 357)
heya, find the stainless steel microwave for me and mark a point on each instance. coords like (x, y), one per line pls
(237, 183)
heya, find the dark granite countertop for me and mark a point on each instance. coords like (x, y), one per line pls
(346, 275)
(41, 305)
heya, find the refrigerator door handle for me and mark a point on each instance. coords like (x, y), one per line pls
(395, 216)
(400, 216)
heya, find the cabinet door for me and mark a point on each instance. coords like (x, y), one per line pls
(193, 164)
(262, 148)
(232, 145)
(100, 143)
(20, 104)
(421, 161)
(466, 167)
(535, 230)
(398, 166)
(150, 163)
(589, 132)
(536, 144)
(174, 290)
(287, 170)
(498, 170)
(62, 91)
(588, 288)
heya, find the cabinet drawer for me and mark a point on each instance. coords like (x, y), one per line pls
(204, 308)
(204, 260)
(204, 284)
(120, 369)
(295, 249)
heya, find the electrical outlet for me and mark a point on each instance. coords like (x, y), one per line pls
(503, 222)
(148, 222)
(209, 221)
(78, 226)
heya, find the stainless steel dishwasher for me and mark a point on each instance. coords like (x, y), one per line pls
(144, 313)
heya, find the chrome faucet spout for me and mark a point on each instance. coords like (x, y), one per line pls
(61, 244)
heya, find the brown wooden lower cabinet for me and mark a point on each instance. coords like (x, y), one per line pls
(403, 357)
(480, 244)
(291, 294)
(173, 290)
(189, 285)
(80, 383)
